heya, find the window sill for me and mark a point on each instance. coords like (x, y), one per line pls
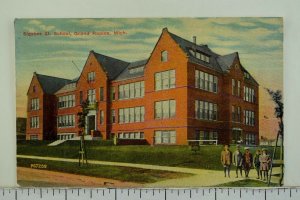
(208, 120)
(170, 118)
(130, 122)
(155, 90)
(206, 90)
(66, 127)
(130, 98)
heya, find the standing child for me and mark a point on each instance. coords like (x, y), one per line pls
(248, 159)
(256, 163)
(264, 163)
(226, 159)
(237, 160)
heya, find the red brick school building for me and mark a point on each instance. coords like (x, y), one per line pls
(183, 91)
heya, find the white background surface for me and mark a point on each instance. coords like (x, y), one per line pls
(11, 9)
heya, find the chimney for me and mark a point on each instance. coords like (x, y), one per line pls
(194, 45)
(195, 40)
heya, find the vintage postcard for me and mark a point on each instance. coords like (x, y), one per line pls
(150, 102)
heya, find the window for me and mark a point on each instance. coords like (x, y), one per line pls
(165, 80)
(131, 135)
(131, 115)
(206, 81)
(113, 116)
(206, 135)
(132, 90)
(246, 75)
(80, 97)
(121, 116)
(136, 70)
(215, 84)
(142, 114)
(126, 115)
(34, 122)
(205, 110)
(101, 116)
(64, 121)
(200, 55)
(101, 94)
(236, 136)
(137, 114)
(236, 113)
(249, 117)
(233, 113)
(239, 89)
(112, 93)
(165, 109)
(137, 89)
(34, 137)
(250, 138)
(67, 101)
(165, 137)
(92, 96)
(239, 114)
(91, 76)
(249, 94)
(233, 87)
(35, 104)
(164, 56)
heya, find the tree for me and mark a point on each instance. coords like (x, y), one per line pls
(277, 99)
(81, 125)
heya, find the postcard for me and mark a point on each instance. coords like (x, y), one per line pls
(149, 102)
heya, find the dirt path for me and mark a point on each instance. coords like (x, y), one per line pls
(38, 178)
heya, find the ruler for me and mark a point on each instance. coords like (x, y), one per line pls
(148, 194)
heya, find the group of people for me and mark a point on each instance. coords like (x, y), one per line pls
(245, 161)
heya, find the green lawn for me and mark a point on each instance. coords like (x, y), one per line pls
(247, 183)
(112, 172)
(181, 156)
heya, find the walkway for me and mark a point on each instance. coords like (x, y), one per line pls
(202, 177)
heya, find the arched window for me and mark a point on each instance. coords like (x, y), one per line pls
(164, 56)
(34, 89)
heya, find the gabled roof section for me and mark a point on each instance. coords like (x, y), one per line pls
(112, 66)
(51, 84)
(216, 62)
(186, 46)
(225, 62)
(125, 74)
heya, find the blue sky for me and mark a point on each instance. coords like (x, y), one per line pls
(259, 42)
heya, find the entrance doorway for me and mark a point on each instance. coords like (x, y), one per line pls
(237, 137)
(91, 124)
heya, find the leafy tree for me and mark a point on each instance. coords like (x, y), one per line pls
(277, 99)
(81, 125)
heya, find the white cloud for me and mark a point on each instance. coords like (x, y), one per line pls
(38, 26)
(35, 22)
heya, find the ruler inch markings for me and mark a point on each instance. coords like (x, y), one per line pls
(153, 193)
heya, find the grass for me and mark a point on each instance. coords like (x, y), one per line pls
(247, 183)
(180, 156)
(112, 172)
